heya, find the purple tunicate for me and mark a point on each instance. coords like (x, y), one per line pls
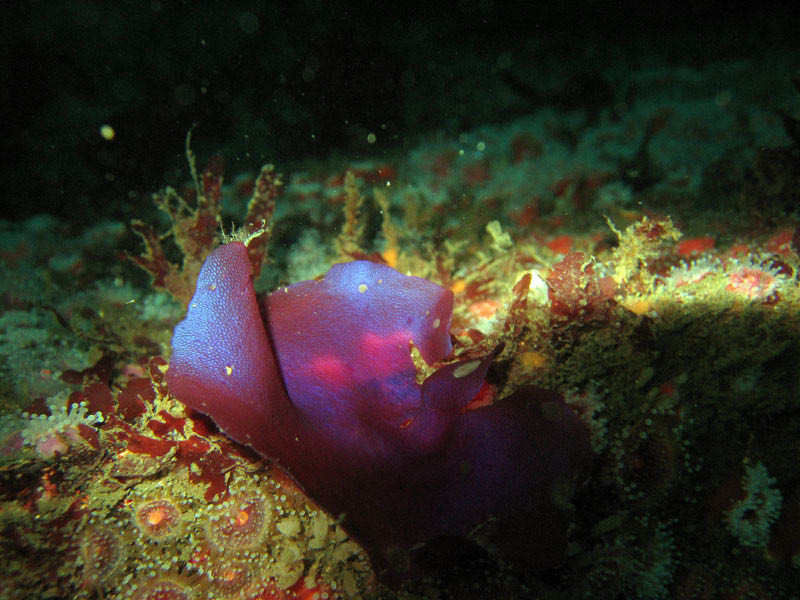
(319, 377)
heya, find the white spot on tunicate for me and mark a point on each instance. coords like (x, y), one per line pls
(362, 288)
(228, 370)
(436, 323)
(212, 287)
(466, 369)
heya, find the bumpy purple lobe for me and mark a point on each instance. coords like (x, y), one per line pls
(318, 376)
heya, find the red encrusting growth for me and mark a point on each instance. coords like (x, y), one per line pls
(211, 470)
(185, 438)
(192, 450)
(134, 397)
(695, 246)
(168, 425)
(90, 435)
(147, 446)
(98, 398)
(561, 244)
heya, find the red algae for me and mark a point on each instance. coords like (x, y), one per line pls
(575, 292)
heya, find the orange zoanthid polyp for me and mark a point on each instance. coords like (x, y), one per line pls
(239, 523)
(158, 519)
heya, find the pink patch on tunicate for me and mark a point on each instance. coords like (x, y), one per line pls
(330, 369)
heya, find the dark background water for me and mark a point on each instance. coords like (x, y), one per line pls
(286, 82)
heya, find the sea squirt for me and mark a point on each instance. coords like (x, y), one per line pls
(319, 377)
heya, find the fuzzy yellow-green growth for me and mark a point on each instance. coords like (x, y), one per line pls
(639, 243)
(348, 242)
(193, 229)
(244, 234)
(390, 232)
(267, 188)
(501, 241)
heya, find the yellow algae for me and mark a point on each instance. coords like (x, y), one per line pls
(532, 359)
(289, 527)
